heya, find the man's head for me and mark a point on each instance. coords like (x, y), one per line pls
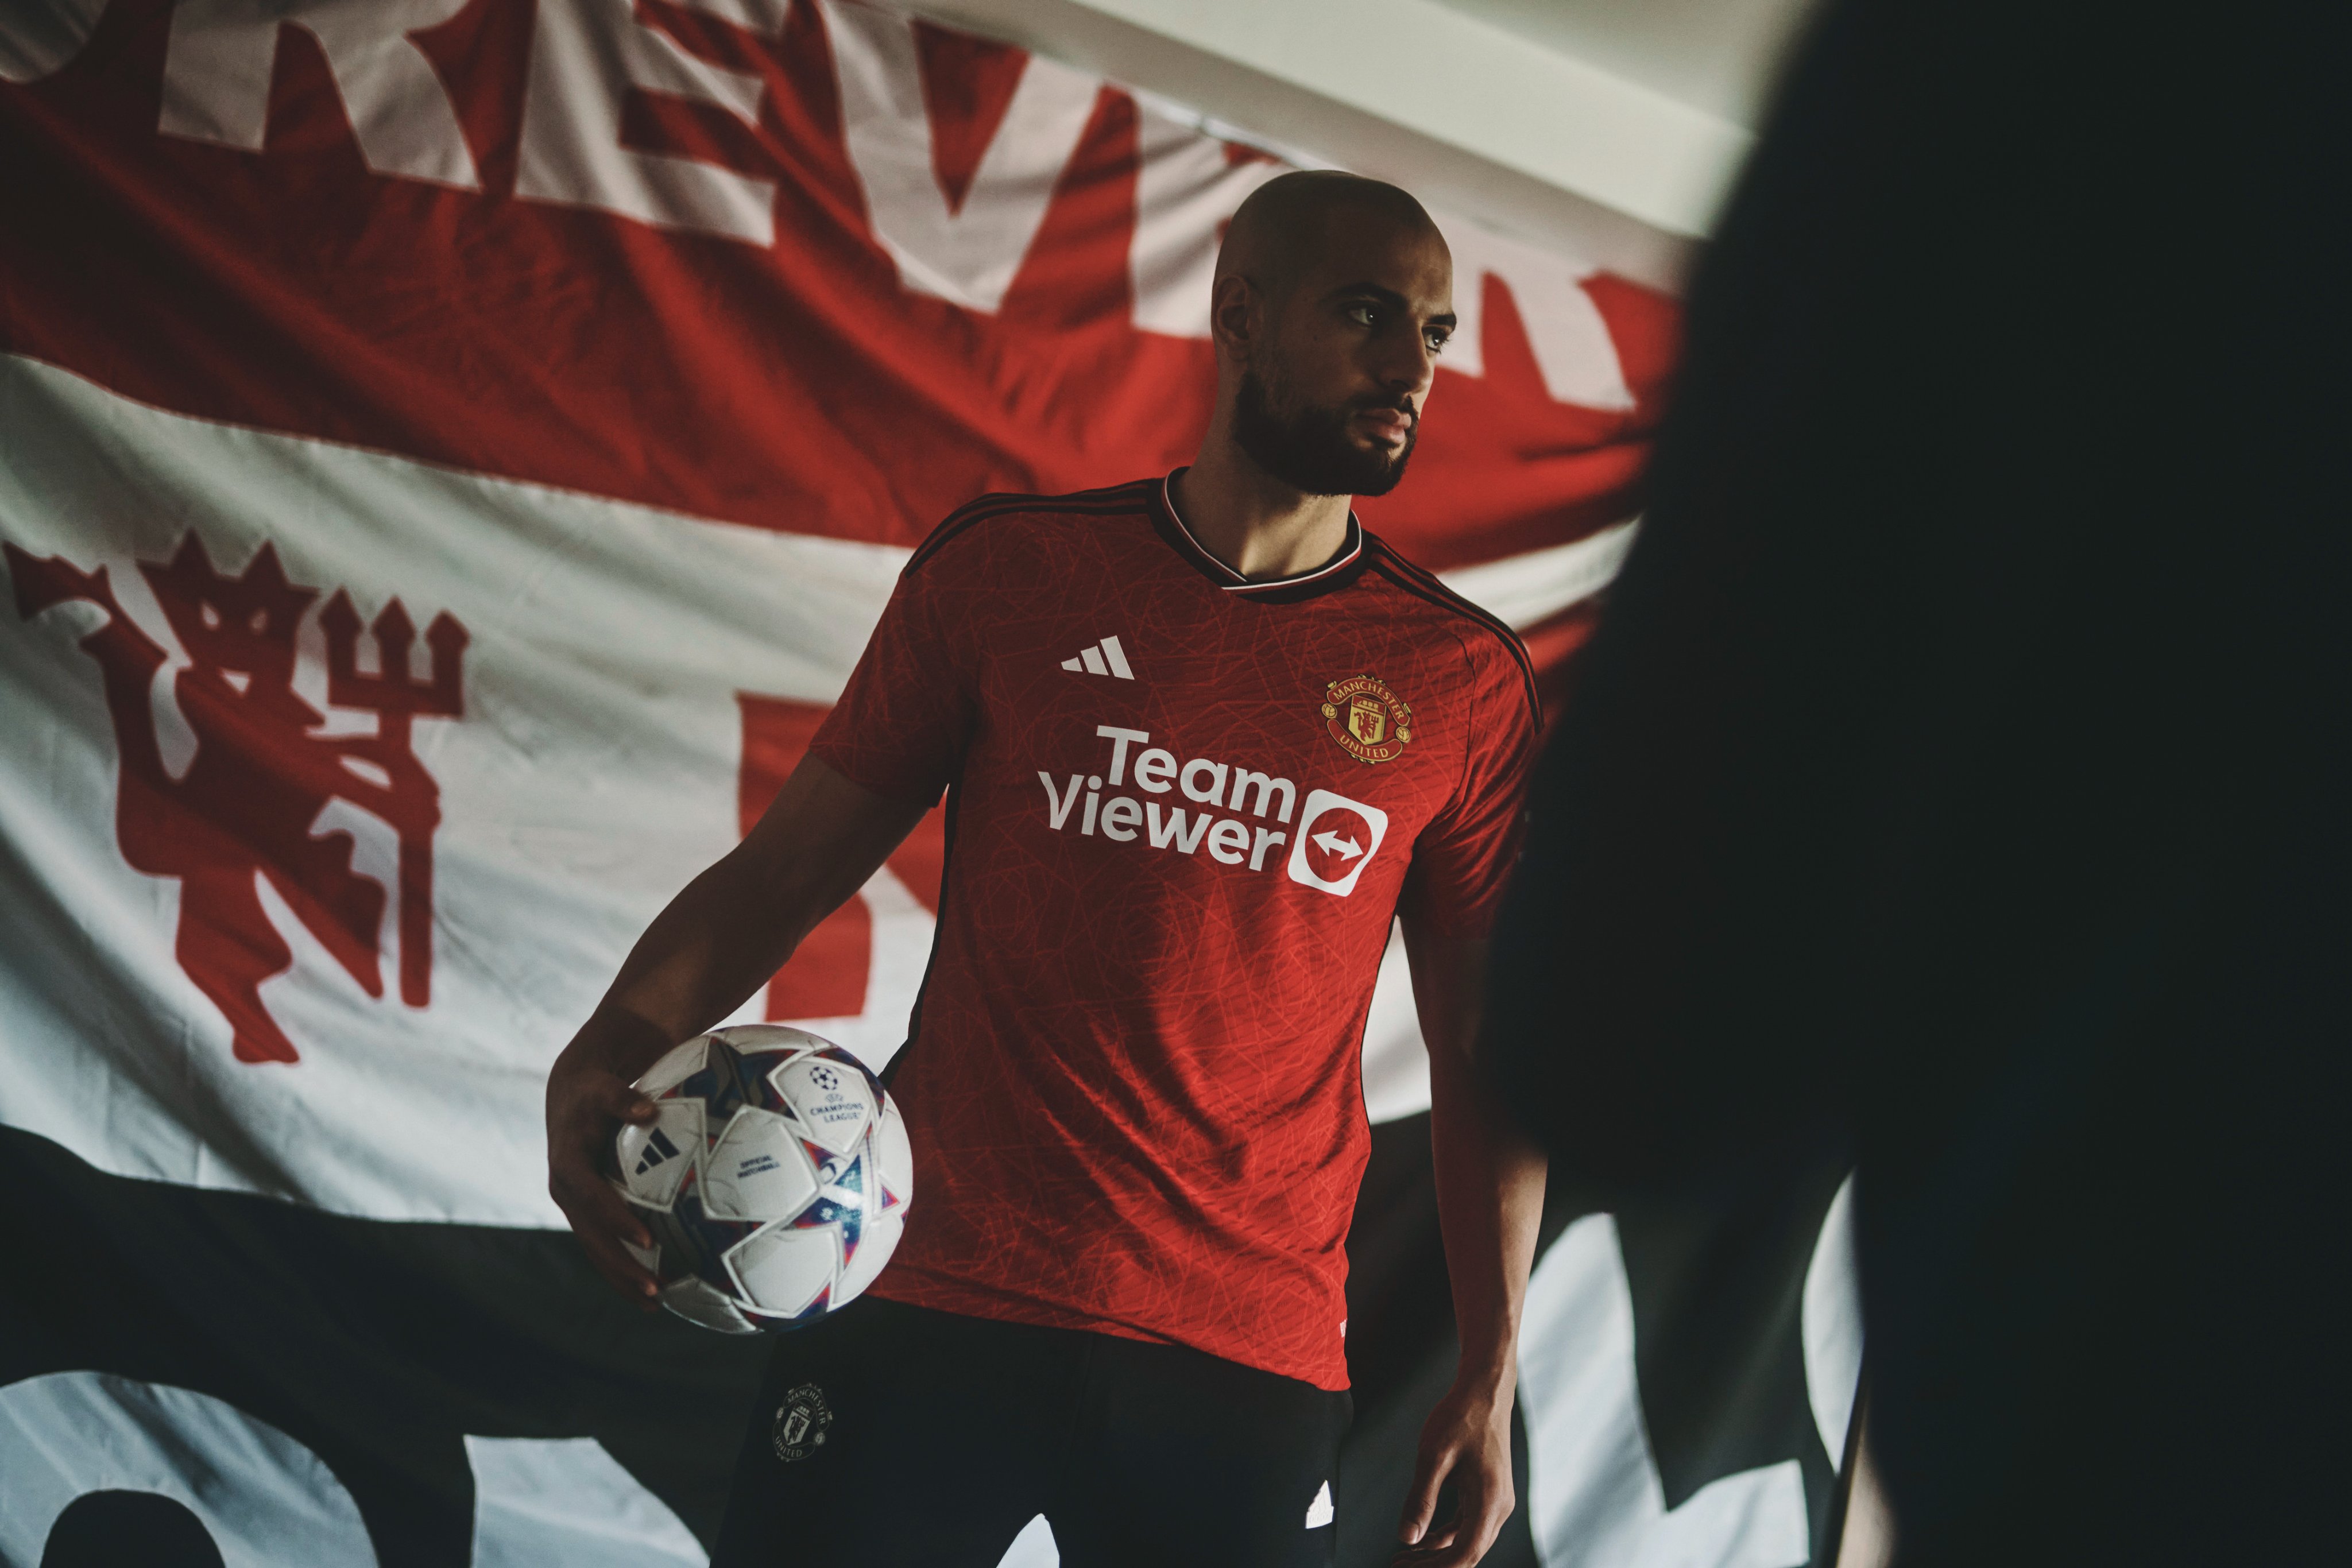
(1333, 295)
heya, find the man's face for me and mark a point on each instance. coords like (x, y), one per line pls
(1332, 405)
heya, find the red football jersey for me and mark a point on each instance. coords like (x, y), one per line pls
(1184, 808)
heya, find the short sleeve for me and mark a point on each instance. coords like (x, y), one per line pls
(1463, 859)
(901, 725)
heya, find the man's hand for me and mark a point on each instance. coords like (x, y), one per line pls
(587, 1102)
(1466, 1441)
(1490, 1185)
(718, 941)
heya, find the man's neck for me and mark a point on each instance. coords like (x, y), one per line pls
(1252, 522)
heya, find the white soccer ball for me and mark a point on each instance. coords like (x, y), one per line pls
(774, 1177)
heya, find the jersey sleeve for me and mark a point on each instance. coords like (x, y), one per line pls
(903, 721)
(1463, 859)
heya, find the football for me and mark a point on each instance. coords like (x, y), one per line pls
(774, 1178)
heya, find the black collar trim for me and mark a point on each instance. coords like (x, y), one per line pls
(1338, 572)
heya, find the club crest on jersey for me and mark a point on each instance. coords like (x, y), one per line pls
(1371, 723)
(801, 1422)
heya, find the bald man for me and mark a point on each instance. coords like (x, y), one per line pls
(1202, 738)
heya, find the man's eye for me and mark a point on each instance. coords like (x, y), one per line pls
(1361, 315)
(1437, 341)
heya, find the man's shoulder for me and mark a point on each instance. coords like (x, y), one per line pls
(1487, 640)
(1004, 514)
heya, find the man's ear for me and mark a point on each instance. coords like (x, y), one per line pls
(1234, 317)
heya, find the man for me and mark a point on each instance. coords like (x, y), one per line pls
(1201, 737)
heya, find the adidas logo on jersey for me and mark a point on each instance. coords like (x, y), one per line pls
(1103, 658)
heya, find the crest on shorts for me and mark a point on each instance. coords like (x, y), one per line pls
(1371, 723)
(801, 1422)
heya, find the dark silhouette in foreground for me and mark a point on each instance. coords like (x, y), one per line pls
(1958, 776)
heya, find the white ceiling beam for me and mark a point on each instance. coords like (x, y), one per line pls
(1480, 119)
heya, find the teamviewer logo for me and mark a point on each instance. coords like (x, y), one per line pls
(1336, 840)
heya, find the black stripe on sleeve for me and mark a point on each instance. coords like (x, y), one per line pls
(1110, 500)
(1425, 585)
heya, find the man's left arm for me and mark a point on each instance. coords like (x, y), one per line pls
(1490, 1187)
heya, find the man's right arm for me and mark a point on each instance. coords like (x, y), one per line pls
(718, 941)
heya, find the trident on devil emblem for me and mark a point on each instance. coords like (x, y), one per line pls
(398, 699)
(246, 806)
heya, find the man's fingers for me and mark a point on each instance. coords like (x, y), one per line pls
(1485, 1507)
(589, 1201)
(583, 1108)
(1421, 1499)
(1447, 1548)
(623, 1104)
(587, 1124)
(1434, 1550)
(1495, 1501)
(602, 1222)
(623, 1273)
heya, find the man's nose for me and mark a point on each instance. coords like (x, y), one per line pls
(1406, 364)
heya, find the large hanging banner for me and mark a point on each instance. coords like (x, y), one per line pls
(452, 453)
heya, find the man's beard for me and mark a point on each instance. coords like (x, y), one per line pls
(1310, 449)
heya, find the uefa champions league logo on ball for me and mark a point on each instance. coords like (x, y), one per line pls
(826, 1079)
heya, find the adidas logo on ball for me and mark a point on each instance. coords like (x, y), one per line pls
(658, 1148)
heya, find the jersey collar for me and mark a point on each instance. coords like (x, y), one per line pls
(1337, 572)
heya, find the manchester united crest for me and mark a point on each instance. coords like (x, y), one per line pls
(1371, 723)
(801, 1422)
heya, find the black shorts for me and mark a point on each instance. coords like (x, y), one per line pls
(892, 1435)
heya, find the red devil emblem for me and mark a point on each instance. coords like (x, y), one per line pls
(246, 806)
